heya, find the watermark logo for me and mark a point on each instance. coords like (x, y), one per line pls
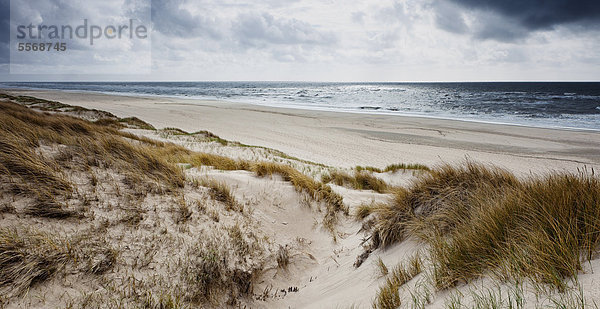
(80, 37)
(92, 32)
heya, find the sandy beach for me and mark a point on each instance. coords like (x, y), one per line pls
(349, 139)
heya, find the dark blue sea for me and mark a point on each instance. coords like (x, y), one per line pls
(543, 104)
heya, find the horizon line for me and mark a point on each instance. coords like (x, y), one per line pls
(296, 81)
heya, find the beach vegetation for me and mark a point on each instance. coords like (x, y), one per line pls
(479, 219)
(358, 181)
(28, 257)
(388, 295)
(393, 168)
(220, 191)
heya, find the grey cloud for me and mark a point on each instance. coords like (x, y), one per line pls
(4, 21)
(288, 55)
(358, 17)
(170, 18)
(398, 12)
(248, 29)
(449, 18)
(384, 39)
(258, 29)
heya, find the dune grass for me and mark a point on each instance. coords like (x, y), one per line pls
(209, 276)
(28, 257)
(393, 168)
(148, 165)
(23, 131)
(221, 192)
(358, 181)
(362, 211)
(542, 230)
(19, 159)
(207, 135)
(388, 296)
(283, 257)
(135, 122)
(480, 220)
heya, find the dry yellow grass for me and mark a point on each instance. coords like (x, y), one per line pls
(542, 229)
(219, 191)
(358, 181)
(388, 296)
(28, 257)
(362, 211)
(393, 168)
(480, 219)
(23, 131)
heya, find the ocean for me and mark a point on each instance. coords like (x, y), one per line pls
(541, 104)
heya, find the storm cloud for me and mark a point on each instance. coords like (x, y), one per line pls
(508, 20)
(536, 14)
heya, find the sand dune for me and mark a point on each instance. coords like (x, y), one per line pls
(269, 237)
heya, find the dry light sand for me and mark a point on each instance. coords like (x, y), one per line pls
(350, 139)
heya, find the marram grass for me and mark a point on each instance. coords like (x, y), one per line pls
(478, 220)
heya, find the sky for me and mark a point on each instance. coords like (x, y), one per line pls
(328, 40)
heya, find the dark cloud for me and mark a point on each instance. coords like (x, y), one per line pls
(493, 27)
(536, 14)
(509, 20)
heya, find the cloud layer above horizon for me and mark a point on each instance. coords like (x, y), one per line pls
(408, 40)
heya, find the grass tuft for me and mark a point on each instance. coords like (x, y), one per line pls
(358, 181)
(208, 274)
(382, 269)
(28, 257)
(393, 168)
(388, 296)
(478, 219)
(49, 208)
(220, 191)
(362, 211)
(283, 256)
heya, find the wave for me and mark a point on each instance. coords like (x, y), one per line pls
(540, 104)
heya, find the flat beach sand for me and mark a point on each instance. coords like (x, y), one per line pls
(345, 139)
